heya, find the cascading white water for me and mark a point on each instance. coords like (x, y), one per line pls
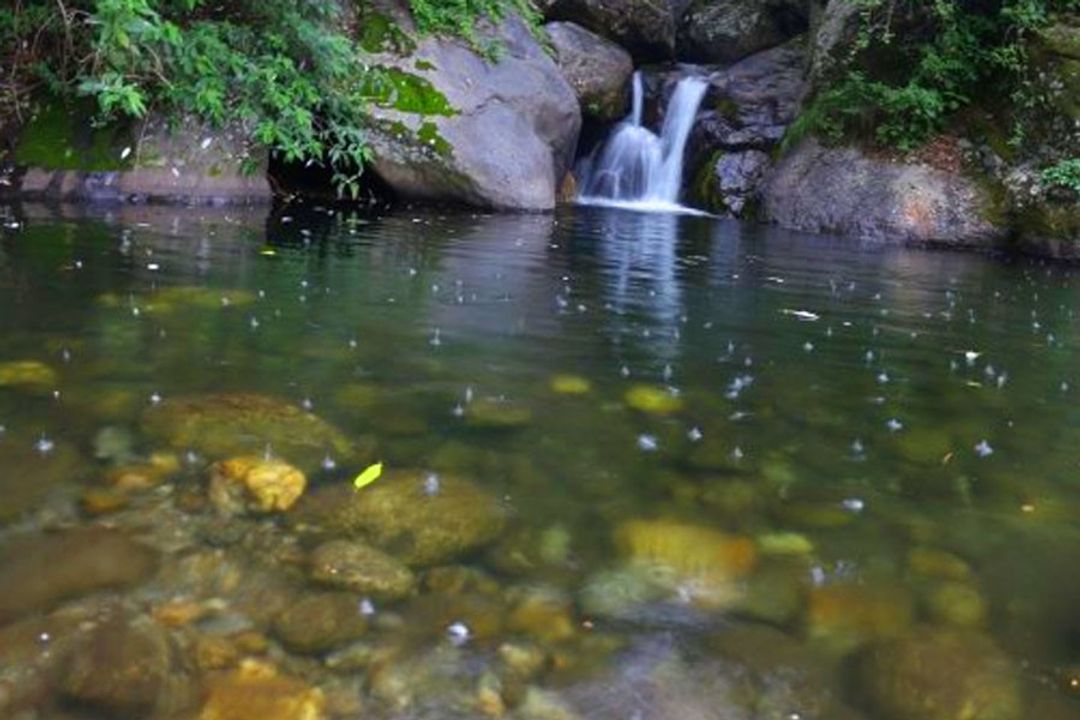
(636, 167)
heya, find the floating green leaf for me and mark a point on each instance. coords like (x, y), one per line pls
(368, 476)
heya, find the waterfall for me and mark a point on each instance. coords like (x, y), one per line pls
(637, 167)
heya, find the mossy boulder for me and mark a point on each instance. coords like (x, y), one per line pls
(221, 426)
(66, 156)
(416, 517)
(941, 675)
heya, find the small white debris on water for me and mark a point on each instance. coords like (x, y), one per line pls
(647, 443)
(307, 404)
(695, 434)
(737, 453)
(124, 153)
(458, 411)
(970, 356)
(804, 315)
(328, 463)
(432, 484)
(44, 445)
(155, 398)
(983, 449)
(205, 143)
(367, 608)
(894, 425)
(853, 504)
(857, 448)
(459, 633)
(153, 267)
(808, 346)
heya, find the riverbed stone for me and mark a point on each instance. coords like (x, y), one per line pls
(597, 69)
(39, 570)
(257, 691)
(356, 566)
(32, 375)
(652, 400)
(843, 191)
(28, 476)
(497, 414)
(415, 516)
(845, 616)
(941, 675)
(956, 603)
(129, 669)
(704, 564)
(503, 131)
(254, 484)
(318, 622)
(725, 31)
(225, 425)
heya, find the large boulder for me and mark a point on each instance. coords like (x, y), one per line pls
(724, 31)
(63, 156)
(644, 27)
(597, 69)
(844, 191)
(492, 133)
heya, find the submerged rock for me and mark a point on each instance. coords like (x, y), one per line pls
(845, 616)
(415, 516)
(842, 191)
(39, 570)
(236, 424)
(27, 476)
(254, 484)
(256, 691)
(496, 414)
(30, 375)
(318, 622)
(598, 70)
(129, 670)
(356, 566)
(941, 675)
(652, 400)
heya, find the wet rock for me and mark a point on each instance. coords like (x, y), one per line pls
(144, 475)
(958, 604)
(652, 400)
(29, 476)
(623, 593)
(256, 691)
(644, 27)
(318, 622)
(129, 670)
(39, 570)
(221, 426)
(31, 375)
(254, 484)
(411, 516)
(598, 70)
(102, 501)
(356, 566)
(570, 385)
(842, 191)
(844, 616)
(507, 137)
(732, 185)
(114, 444)
(941, 675)
(725, 31)
(936, 563)
(543, 614)
(775, 592)
(497, 414)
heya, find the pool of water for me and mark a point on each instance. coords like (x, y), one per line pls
(633, 466)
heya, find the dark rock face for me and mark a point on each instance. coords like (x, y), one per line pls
(597, 69)
(842, 191)
(644, 27)
(511, 137)
(724, 31)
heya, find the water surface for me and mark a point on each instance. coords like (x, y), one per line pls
(737, 467)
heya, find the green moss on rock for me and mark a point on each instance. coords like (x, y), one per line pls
(63, 137)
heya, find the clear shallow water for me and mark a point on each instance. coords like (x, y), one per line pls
(740, 473)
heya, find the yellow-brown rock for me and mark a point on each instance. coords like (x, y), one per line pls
(255, 484)
(255, 691)
(844, 616)
(27, 374)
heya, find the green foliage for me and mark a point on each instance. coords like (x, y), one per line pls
(295, 75)
(916, 63)
(459, 17)
(1064, 174)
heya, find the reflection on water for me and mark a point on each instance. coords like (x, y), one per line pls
(636, 465)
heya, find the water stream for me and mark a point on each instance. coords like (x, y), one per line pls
(636, 167)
